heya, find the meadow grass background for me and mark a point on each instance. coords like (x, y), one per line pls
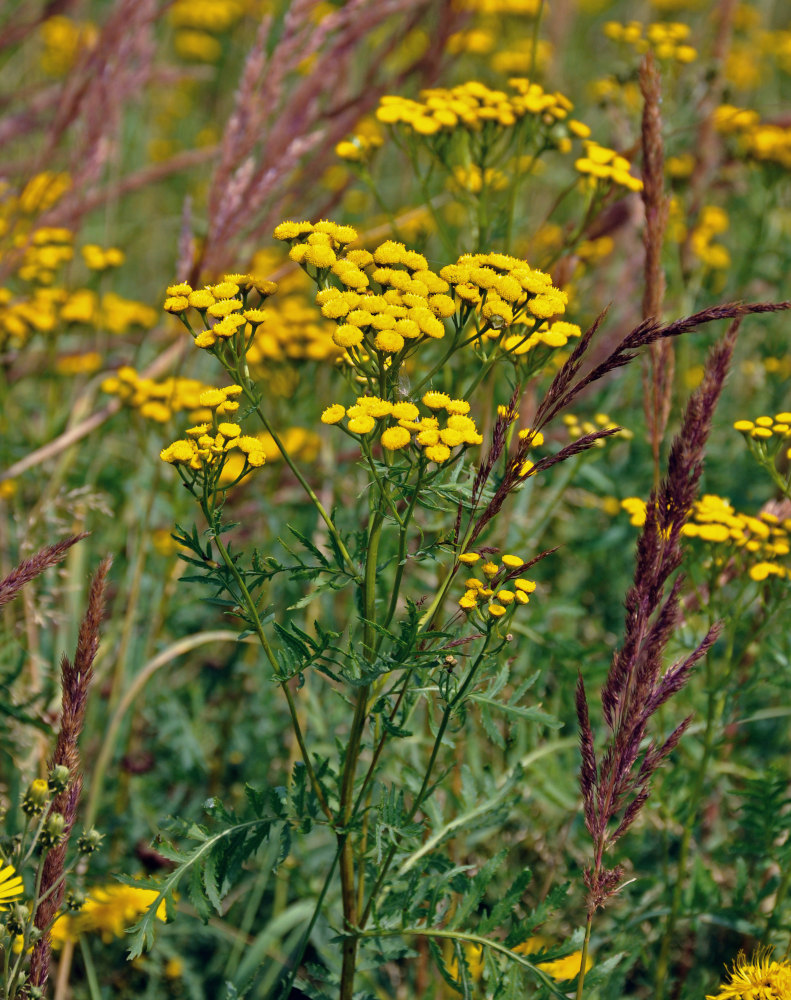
(145, 144)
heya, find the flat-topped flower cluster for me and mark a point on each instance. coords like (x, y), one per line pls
(206, 446)
(401, 426)
(473, 106)
(489, 595)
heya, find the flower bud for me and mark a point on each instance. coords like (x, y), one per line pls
(75, 900)
(36, 797)
(16, 921)
(59, 778)
(89, 840)
(54, 829)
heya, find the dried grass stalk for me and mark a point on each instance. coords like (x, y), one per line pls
(31, 568)
(615, 789)
(75, 681)
(569, 383)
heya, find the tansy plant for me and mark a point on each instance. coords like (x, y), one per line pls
(423, 606)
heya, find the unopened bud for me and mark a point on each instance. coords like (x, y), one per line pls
(89, 840)
(59, 778)
(54, 828)
(36, 797)
(75, 900)
(16, 921)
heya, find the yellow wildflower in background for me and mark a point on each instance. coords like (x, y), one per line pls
(759, 978)
(10, 885)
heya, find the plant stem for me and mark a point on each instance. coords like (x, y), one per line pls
(421, 795)
(303, 483)
(252, 610)
(345, 845)
(584, 958)
(714, 712)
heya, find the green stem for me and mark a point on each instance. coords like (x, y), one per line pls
(297, 960)
(714, 712)
(90, 970)
(432, 932)
(345, 845)
(303, 482)
(402, 549)
(421, 795)
(584, 958)
(252, 611)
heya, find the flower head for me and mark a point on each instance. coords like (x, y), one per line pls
(10, 885)
(756, 978)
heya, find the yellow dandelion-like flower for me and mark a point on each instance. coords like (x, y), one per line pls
(496, 610)
(10, 885)
(759, 978)
(112, 909)
(468, 558)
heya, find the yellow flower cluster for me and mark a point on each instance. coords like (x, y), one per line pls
(413, 300)
(667, 40)
(766, 427)
(158, 400)
(46, 250)
(473, 106)
(577, 428)
(301, 445)
(712, 222)
(564, 968)
(98, 259)
(85, 363)
(197, 22)
(486, 595)
(472, 179)
(405, 426)
(207, 444)
(109, 909)
(526, 8)
(44, 309)
(292, 333)
(223, 307)
(112, 312)
(64, 40)
(359, 148)
(761, 141)
(500, 288)
(603, 164)
(41, 192)
(761, 541)
(512, 60)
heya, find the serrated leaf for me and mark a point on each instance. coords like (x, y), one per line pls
(477, 887)
(528, 714)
